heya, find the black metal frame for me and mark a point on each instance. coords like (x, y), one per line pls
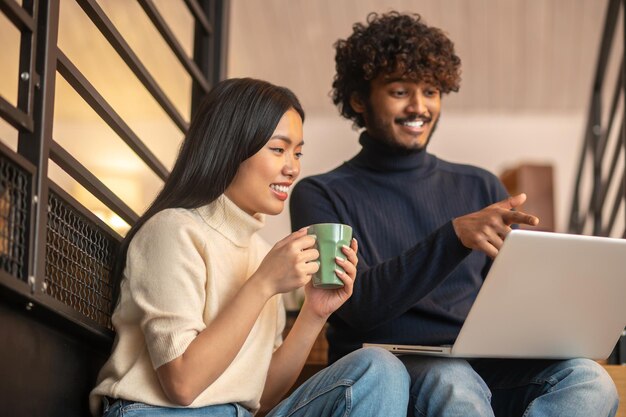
(24, 18)
(596, 143)
(597, 150)
(39, 61)
(55, 290)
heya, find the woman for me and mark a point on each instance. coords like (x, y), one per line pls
(199, 317)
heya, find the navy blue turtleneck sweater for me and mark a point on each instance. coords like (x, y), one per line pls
(415, 280)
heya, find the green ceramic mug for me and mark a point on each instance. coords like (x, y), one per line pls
(330, 238)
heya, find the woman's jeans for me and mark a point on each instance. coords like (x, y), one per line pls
(367, 382)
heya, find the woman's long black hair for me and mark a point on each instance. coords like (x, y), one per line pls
(233, 122)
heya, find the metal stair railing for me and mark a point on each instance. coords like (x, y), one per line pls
(599, 199)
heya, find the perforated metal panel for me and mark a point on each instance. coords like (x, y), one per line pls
(13, 217)
(79, 259)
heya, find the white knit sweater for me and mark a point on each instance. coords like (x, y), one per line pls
(183, 266)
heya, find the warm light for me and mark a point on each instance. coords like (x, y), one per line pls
(127, 188)
(114, 221)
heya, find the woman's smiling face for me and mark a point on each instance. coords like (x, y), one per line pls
(262, 182)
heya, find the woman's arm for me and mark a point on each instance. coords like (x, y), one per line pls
(213, 350)
(285, 268)
(319, 304)
(290, 357)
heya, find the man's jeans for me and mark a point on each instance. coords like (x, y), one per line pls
(367, 382)
(446, 387)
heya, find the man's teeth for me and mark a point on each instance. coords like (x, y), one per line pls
(415, 123)
(280, 188)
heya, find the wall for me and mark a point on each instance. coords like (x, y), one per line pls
(494, 142)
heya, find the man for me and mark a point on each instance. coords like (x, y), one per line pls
(427, 232)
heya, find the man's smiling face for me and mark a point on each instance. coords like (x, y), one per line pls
(401, 112)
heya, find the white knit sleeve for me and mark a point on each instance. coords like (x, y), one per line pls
(167, 280)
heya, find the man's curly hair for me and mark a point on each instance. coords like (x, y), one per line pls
(389, 43)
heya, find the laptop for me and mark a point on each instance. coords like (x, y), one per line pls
(547, 295)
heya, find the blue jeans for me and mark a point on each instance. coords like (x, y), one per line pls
(123, 408)
(446, 387)
(367, 382)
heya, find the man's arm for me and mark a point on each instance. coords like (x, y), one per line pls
(486, 229)
(388, 289)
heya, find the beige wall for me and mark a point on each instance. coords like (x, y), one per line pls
(494, 142)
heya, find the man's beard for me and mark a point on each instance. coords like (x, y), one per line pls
(380, 132)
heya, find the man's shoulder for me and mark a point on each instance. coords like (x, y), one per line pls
(476, 178)
(467, 170)
(338, 174)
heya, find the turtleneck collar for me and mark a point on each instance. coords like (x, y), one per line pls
(232, 222)
(380, 157)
